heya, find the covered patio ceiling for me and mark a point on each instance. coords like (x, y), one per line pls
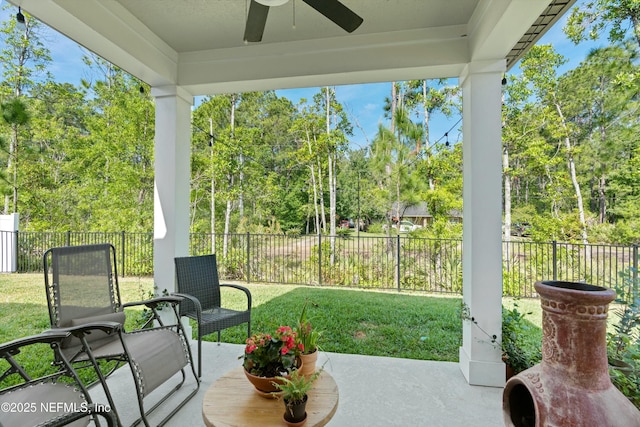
(198, 44)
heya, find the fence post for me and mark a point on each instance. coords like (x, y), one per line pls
(398, 259)
(635, 265)
(555, 260)
(122, 253)
(319, 258)
(68, 238)
(248, 258)
(18, 266)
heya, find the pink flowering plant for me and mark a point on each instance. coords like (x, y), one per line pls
(267, 355)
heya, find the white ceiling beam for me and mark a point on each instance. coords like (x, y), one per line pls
(419, 54)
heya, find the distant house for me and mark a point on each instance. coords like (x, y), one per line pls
(418, 214)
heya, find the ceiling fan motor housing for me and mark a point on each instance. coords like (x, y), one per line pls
(272, 3)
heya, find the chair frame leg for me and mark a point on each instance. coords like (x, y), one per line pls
(199, 354)
(101, 377)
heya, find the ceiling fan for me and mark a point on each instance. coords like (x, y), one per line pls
(332, 9)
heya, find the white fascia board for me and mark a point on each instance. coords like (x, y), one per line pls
(497, 25)
(334, 79)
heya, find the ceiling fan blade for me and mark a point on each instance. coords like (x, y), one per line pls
(337, 12)
(256, 21)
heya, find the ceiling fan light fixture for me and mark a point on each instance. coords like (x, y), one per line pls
(272, 3)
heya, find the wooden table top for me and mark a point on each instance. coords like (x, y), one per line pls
(233, 401)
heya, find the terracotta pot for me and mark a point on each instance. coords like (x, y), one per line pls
(297, 424)
(309, 363)
(571, 386)
(295, 412)
(263, 384)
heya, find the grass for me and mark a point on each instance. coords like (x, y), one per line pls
(406, 325)
(361, 322)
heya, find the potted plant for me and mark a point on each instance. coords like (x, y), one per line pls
(514, 355)
(294, 394)
(307, 338)
(269, 356)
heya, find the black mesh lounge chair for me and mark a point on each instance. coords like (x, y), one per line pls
(50, 397)
(82, 292)
(198, 283)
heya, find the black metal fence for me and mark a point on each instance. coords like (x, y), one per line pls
(398, 262)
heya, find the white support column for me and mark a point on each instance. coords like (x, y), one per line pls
(480, 360)
(172, 180)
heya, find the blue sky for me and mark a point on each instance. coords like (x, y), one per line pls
(364, 103)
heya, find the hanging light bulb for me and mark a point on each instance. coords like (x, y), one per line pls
(20, 19)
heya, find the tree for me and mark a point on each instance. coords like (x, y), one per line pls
(114, 161)
(22, 58)
(520, 126)
(16, 115)
(602, 104)
(58, 114)
(595, 16)
(539, 66)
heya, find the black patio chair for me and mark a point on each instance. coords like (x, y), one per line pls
(198, 283)
(83, 294)
(45, 397)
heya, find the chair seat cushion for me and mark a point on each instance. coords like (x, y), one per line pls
(221, 318)
(157, 355)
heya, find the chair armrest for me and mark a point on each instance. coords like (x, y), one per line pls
(193, 300)
(106, 326)
(241, 288)
(154, 302)
(46, 337)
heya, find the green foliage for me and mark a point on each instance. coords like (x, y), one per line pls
(376, 228)
(15, 112)
(628, 382)
(296, 386)
(595, 16)
(623, 343)
(441, 228)
(307, 335)
(627, 328)
(233, 264)
(514, 328)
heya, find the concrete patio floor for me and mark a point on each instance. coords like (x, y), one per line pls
(374, 391)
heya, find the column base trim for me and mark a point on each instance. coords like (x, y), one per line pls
(481, 372)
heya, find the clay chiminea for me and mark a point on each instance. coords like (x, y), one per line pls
(571, 386)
